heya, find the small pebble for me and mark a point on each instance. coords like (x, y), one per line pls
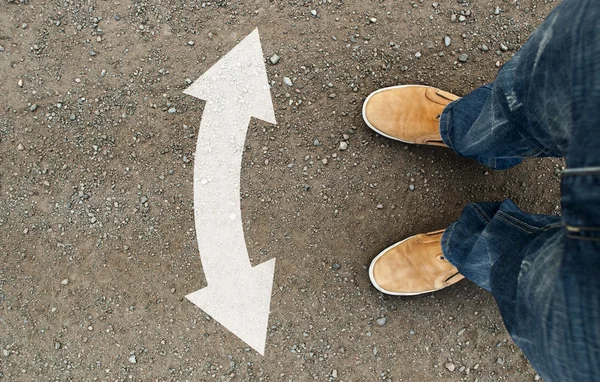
(287, 81)
(450, 366)
(334, 374)
(418, 55)
(33, 107)
(65, 282)
(132, 359)
(20, 147)
(411, 187)
(497, 11)
(462, 18)
(24, 26)
(274, 59)
(484, 48)
(5, 352)
(453, 18)
(314, 12)
(336, 266)
(117, 17)
(191, 43)
(463, 57)
(503, 47)
(343, 145)
(92, 53)
(447, 40)
(57, 345)
(381, 321)
(143, 199)
(172, 110)
(373, 20)
(20, 83)
(102, 73)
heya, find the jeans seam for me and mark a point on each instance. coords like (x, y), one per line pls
(515, 222)
(482, 213)
(573, 237)
(448, 125)
(450, 233)
(585, 228)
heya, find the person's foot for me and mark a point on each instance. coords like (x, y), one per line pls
(408, 113)
(413, 266)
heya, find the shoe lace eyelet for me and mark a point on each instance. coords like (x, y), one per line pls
(438, 117)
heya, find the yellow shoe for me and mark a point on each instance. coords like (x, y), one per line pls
(413, 266)
(408, 113)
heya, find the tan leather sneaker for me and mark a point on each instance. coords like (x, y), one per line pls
(413, 266)
(408, 113)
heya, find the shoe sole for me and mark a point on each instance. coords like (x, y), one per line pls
(378, 287)
(364, 109)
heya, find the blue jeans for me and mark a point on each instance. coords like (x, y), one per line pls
(544, 271)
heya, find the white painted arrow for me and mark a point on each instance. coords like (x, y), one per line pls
(238, 295)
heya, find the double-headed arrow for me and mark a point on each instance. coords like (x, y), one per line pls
(238, 295)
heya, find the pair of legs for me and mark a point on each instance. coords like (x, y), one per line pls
(544, 271)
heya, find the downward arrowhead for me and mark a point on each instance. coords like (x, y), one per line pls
(240, 302)
(238, 83)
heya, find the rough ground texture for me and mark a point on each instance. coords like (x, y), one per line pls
(97, 146)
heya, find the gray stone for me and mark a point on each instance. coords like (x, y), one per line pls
(172, 110)
(132, 359)
(274, 59)
(287, 81)
(463, 57)
(381, 321)
(343, 145)
(450, 366)
(447, 40)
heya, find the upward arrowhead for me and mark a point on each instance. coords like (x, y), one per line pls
(240, 302)
(238, 83)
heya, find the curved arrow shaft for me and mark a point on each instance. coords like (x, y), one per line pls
(217, 209)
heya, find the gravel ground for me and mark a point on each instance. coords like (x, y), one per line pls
(97, 147)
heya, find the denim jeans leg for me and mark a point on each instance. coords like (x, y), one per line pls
(542, 270)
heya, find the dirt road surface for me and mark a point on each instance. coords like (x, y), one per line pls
(97, 141)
